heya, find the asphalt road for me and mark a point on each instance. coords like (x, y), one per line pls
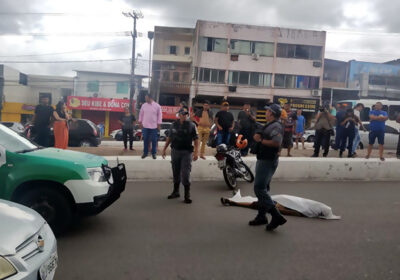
(145, 236)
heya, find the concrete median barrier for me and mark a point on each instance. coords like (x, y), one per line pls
(290, 169)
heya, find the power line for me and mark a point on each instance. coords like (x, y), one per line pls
(66, 61)
(69, 52)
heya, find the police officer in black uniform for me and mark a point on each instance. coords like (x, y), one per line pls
(268, 140)
(181, 135)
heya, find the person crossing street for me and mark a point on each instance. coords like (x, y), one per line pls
(181, 136)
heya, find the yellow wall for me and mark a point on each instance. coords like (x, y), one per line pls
(11, 112)
(107, 125)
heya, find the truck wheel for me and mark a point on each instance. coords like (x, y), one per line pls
(52, 205)
(85, 143)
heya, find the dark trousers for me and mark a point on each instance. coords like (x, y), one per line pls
(322, 138)
(265, 169)
(347, 137)
(247, 134)
(125, 134)
(181, 161)
(398, 147)
(223, 137)
(42, 136)
(150, 135)
(338, 138)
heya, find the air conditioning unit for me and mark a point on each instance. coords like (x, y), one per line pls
(232, 88)
(316, 93)
(317, 64)
(171, 67)
(255, 56)
(234, 57)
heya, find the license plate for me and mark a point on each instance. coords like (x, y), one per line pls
(48, 269)
(221, 163)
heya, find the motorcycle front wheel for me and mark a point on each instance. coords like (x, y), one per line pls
(248, 176)
(230, 178)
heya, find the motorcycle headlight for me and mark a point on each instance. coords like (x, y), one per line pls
(96, 174)
(6, 269)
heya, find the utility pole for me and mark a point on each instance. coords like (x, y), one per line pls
(150, 35)
(135, 15)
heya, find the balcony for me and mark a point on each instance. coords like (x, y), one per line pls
(172, 58)
(174, 87)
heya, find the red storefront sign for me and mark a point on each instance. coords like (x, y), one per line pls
(97, 104)
(169, 112)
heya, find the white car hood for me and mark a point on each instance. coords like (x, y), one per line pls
(17, 224)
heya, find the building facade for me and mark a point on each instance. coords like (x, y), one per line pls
(172, 64)
(20, 93)
(256, 63)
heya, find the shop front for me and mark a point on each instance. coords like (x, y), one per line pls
(309, 106)
(106, 111)
(17, 112)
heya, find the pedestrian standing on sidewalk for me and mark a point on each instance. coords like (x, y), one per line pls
(128, 122)
(300, 126)
(41, 121)
(225, 124)
(60, 126)
(357, 112)
(247, 121)
(204, 119)
(398, 143)
(348, 132)
(150, 118)
(268, 140)
(340, 115)
(181, 136)
(290, 128)
(377, 117)
(323, 131)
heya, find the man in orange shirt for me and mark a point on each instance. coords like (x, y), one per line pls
(204, 119)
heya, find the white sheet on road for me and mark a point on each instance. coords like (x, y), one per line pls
(307, 207)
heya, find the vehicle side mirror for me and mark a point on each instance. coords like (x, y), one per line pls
(3, 159)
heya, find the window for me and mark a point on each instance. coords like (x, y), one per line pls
(187, 50)
(364, 115)
(290, 81)
(214, 76)
(315, 53)
(185, 77)
(23, 79)
(307, 82)
(221, 76)
(377, 80)
(233, 77)
(206, 75)
(263, 49)
(156, 76)
(122, 87)
(210, 44)
(165, 76)
(175, 76)
(391, 130)
(302, 52)
(173, 50)
(93, 86)
(240, 47)
(394, 110)
(279, 80)
(244, 78)
(254, 79)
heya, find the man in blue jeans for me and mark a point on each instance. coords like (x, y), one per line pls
(377, 117)
(225, 123)
(150, 118)
(268, 141)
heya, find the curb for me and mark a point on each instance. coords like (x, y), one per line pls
(289, 169)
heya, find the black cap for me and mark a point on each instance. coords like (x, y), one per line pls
(275, 109)
(183, 111)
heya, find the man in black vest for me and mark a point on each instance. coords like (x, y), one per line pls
(268, 141)
(181, 135)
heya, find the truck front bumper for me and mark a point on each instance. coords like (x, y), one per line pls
(116, 178)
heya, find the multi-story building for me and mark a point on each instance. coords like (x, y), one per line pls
(20, 93)
(257, 64)
(171, 69)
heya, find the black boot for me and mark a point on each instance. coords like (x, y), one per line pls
(187, 195)
(314, 155)
(341, 154)
(175, 192)
(277, 219)
(259, 220)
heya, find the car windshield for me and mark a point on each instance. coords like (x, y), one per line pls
(13, 142)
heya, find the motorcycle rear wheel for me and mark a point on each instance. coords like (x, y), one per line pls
(249, 176)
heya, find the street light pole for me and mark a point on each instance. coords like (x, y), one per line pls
(150, 35)
(135, 15)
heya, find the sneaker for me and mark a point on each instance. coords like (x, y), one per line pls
(174, 195)
(314, 155)
(144, 156)
(187, 200)
(277, 220)
(258, 221)
(154, 156)
(225, 201)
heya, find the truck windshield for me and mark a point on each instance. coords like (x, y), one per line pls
(13, 142)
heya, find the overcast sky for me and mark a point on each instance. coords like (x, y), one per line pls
(93, 29)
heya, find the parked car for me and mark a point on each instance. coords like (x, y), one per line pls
(82, 133)
(28, 248)
(391, 137)
(117, 134)
(16, 126)
(165, 126)
(61, 185)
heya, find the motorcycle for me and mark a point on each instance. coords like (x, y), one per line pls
(232, 165)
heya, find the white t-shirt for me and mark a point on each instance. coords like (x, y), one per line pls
(357, 114)
(307, 207)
